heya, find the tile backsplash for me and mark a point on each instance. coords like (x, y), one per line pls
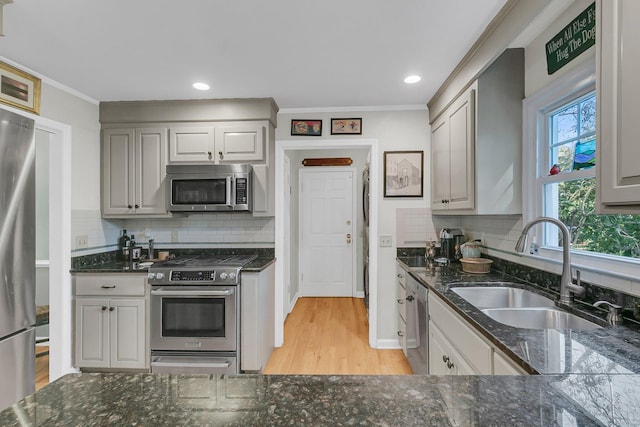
(196, 230)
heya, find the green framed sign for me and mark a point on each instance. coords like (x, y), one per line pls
(572, 40)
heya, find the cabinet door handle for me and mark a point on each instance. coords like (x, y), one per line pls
(137, 206)
(209, 153)
(111, 308)
(129, 206)
(410, 298)
(221, 155)
(400, 276)
(103, 308)
(108, 286)
(445, 358)
(450, 365)
(400, 334)
(400, 301)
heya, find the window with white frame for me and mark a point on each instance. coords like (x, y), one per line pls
(565, 180)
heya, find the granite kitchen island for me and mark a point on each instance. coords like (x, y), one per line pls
(262, 400)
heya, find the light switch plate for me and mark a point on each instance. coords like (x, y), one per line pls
(385, 241)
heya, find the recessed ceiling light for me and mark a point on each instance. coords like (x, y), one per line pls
(201, 86)
(412, 79)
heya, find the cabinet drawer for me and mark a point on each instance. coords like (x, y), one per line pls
(401, 275)
(114, 284)
(471, 347)
(401, 300)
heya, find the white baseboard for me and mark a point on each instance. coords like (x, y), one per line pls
(294, 300)
(388, 344)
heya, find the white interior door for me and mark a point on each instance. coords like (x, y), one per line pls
(326, 232)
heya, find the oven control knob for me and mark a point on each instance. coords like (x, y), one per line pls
(232, 276)
(151, 276)
(223, 276)
(159, 276)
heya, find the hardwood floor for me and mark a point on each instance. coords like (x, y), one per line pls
(42, 368)
(329, 336)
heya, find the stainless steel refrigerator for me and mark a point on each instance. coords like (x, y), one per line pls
(17, 258)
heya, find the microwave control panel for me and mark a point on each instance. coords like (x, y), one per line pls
(241, 191)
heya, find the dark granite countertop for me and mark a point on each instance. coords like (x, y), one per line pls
(108, 262)
(263, 400)
(608, 350)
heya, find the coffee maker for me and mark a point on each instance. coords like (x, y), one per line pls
(450, 241)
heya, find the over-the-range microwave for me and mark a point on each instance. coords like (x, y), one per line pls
(209, 188)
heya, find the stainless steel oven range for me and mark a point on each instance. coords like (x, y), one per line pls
(195, 314)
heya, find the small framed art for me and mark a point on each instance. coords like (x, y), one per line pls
(306, 127)
(346, 126)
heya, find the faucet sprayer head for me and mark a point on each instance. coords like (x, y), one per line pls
(521, 241)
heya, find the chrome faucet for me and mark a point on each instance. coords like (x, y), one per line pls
(615, 312)
(567, 287)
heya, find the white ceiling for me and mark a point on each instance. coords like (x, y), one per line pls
(304, 54)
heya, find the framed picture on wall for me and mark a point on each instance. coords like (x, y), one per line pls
(403, 173)
(346, 126)
(306, 127)
(19, 89)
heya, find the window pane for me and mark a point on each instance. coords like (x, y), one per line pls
(588, 115)
(573, 203)
(564, 124)
(562, 156)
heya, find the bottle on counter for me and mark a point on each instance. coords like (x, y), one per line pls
(123, 246)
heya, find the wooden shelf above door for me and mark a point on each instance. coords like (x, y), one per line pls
(328, 161)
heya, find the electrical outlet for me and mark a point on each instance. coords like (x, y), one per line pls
(385, 241)
(82, 241)
(174, 237)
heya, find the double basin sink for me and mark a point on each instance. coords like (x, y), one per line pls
(520, 308)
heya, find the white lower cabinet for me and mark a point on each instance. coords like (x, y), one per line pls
(444, 359)
(503, 366)
(401, 299)
(257, 322)
(110, 322)
(456, 348)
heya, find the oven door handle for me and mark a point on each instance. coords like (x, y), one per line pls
(225, 364)
(164, 292)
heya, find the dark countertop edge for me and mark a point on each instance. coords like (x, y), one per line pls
(483, 329)
(108, 269)
(120, 267)
(256, 265)
(259, 264)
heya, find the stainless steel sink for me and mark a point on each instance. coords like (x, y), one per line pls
(501, 297)
(538, 318)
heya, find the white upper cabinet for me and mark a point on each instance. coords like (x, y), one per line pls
(240, 142)
(134, 162)
(452, 155)
(476, 144)
(225, 142)
(191, 144)
(618, 174)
